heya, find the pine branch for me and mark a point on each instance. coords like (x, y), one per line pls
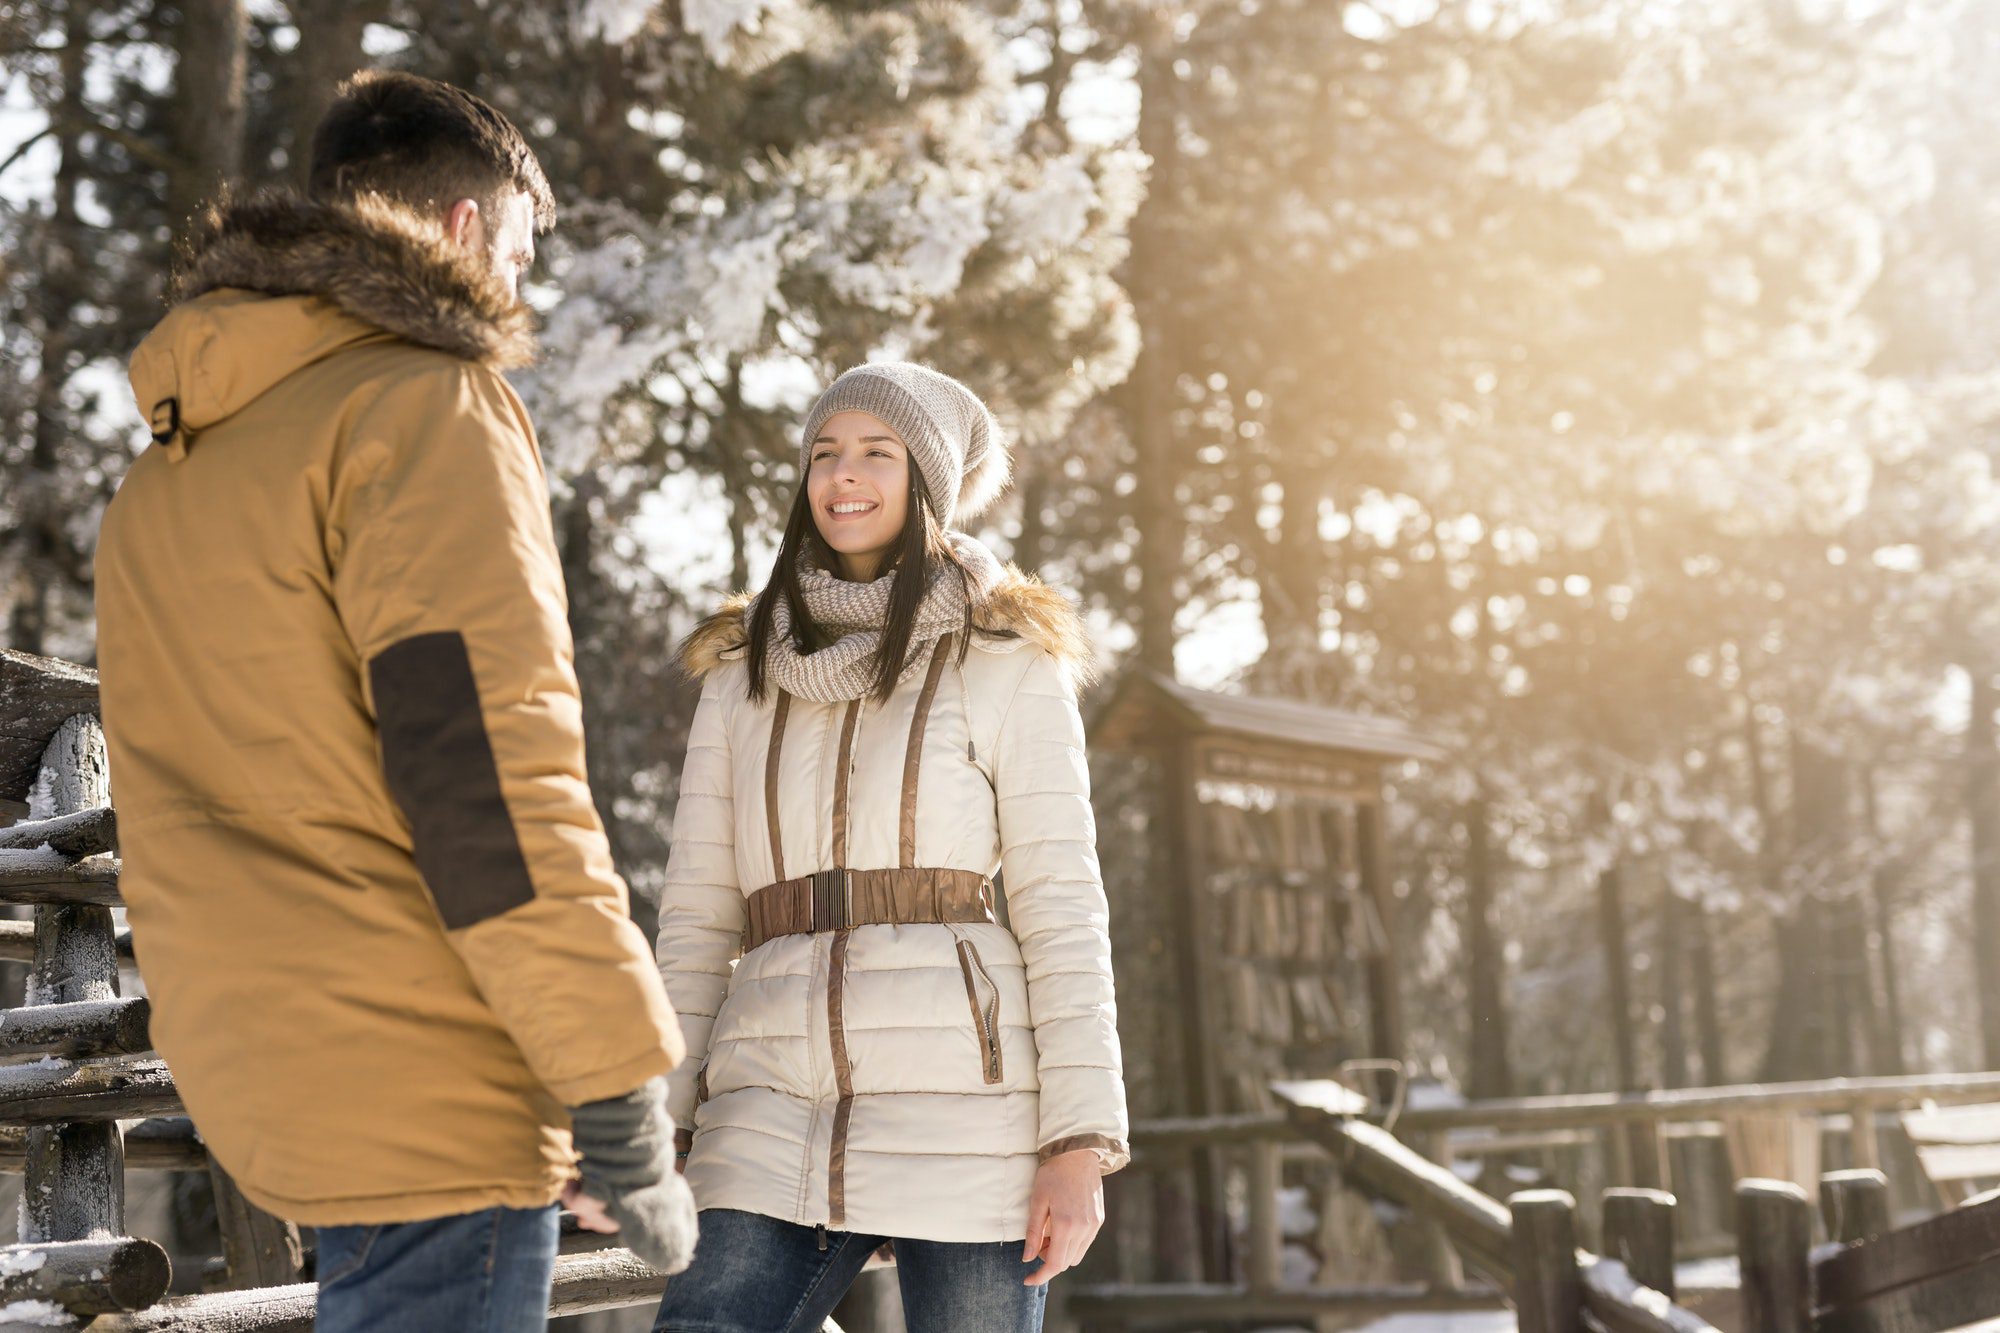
(21, 149)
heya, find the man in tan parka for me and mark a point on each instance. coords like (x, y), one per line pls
(389, 956)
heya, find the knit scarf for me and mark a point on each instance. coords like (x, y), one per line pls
(854, 613)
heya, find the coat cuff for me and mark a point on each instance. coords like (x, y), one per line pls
(1111, 1153)
(616, 1081)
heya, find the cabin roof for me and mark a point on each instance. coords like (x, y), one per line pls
(1131, 717)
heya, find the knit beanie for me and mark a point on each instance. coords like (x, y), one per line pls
(951, 437)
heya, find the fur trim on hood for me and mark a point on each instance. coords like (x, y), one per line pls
(1021, 609)
(375, 260)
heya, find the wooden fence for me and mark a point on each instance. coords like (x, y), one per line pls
(94, 1101)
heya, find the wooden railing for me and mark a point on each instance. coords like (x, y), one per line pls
(1510, 1247)
(1526, 1250)
(97, 1102)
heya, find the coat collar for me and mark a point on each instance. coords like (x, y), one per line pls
(1020, 610)
(374, 260)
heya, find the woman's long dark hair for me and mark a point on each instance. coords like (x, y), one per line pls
(923, 551)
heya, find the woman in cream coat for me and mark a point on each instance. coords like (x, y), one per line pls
(872, 1055)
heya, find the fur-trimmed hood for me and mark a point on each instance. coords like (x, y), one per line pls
(242, 323)
(380, 263)
(1020, 610)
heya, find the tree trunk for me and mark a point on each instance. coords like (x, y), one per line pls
(1889, 1053)
(329, 50)
(1796, 1035)
(1982, 804)
(209, 107)
(41, 506)
(1675, 915)
(731, 455)
(1151, 390)
(1707, 998)
(1617, 974)
(1031, 549)
(1492, 1073)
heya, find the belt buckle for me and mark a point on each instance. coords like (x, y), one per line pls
(830, 887)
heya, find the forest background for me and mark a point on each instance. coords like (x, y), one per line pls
(1606, 386)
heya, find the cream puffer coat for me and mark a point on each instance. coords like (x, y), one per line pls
(896, 1080)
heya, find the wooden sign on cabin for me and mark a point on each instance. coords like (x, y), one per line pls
(1273, 850)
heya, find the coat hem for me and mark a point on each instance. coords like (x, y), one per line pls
(421, 1206)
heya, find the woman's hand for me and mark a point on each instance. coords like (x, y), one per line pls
(683, 1145)
(1064, 1213)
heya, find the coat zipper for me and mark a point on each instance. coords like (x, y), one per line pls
(986, 1016)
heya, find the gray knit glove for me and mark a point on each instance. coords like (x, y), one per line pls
(627, 1146)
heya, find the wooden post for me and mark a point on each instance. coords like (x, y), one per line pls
(1387, 1026)
(1855, 1205)
(75, 1173)
(1639, 1233)
(1202, 1048)
(1617, 956)
(1440, 1258)
(258, 1250)
(1646, 1155)
(1262, 1266)
(1867, 1151)
(1548, 1289)
(1773, 1242)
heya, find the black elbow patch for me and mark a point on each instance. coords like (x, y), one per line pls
(439, 763)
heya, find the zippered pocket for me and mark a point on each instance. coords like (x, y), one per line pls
(985, 998)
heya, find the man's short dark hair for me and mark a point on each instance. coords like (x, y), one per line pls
(422, 143)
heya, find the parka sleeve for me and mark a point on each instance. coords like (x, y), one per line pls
(446, 578)
(702, 909)
(1056, 904)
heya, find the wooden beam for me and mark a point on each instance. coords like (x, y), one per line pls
(17, 943)
(1379, 1166)
(1206, 1304)
(85, 833)
(165, 1143)
(1962, 1238)
(85, 1277)
(584, 1284)
(43, 876)
(78, 1029)
(1952, 1298)
(46, 1093)
(1373, 1161)
(1818, 1095)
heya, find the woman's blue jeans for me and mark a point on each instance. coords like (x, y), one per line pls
(485, 1272)
(754, 1274)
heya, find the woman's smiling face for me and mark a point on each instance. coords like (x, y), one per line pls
(859, 489)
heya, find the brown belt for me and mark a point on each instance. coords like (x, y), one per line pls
(841, 899)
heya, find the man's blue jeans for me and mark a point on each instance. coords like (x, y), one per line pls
(755, 1274)
(485, 1272)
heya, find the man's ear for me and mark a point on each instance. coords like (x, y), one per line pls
(462, 223)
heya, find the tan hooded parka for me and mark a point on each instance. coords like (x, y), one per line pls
(370, 896)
